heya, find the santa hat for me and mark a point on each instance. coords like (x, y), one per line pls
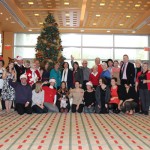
(89, 83)
(23, 76)
(19, 58)
(52, 80)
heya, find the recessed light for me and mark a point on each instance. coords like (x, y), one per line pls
(36, 14)
(13, 22)
(133, 31)
(30, 3)
(121, 24)
(94, 24)
(67, 15)
(1, 13)
(40, 22)
(108, 30)
(98, 15)
(67, 23)
(29, 30)
(137, 5)
(66, 3)
(7, 19)
(128, 16)
(82, 30)
(102, 4)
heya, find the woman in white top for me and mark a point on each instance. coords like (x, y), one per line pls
(38, 99)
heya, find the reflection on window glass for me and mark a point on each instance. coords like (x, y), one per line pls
(24, 52)
(131, 41)
(75, 52)
(0, 45)
(71, 39)
(25, 39)
(92, 53)
(98, 40)
(132, 53)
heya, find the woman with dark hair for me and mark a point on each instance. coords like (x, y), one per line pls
(128, 101)
(77, 73)
(77, 95)
(110, 65)
(8, 92)
(143, 84)
(1, 81)
(62, 102)
(45, 71)
(102, 95)
(67, 75)
(115, 95)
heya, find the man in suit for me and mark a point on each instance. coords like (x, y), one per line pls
(127, 71)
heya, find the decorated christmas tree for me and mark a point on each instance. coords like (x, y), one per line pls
(48, 45)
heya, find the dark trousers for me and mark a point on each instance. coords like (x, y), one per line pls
(84, 84)
(114, 107)
(39, 110)
(145, 99)
(21, 109)
(80, 109)
(128, 106)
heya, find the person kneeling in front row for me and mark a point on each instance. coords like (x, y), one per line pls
(23, 95)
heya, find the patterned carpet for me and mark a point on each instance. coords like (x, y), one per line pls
(57, 131)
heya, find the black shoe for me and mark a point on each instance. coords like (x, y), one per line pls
(146, 113)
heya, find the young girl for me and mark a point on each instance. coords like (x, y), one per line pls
(38, 99)
(8, 92)
(62, 98)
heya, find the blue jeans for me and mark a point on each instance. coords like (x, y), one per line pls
(88, 110)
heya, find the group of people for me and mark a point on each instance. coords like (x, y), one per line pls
(108, 86)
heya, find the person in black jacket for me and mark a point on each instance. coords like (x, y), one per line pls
(67, 75)
(127, 71)
(102, 95)
(77, 73)
(128, 99)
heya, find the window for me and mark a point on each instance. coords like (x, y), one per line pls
(0, 44)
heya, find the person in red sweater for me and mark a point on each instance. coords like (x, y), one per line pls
(94, 76)
(50, 96)
(33, 75)
(97, 62)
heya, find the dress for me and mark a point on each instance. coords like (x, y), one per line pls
(114, 94)
(8, 92)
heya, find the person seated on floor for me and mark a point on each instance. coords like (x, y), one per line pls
(89, 98)
(23, 95)
(38, 99)
(102, 95)
(77, 95)
(115, 95)
(129, 97)
(50, 96)
(62, 102)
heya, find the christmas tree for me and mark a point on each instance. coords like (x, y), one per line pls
(48, 45)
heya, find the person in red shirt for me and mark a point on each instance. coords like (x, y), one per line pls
(94, 76)
(50, 96)
(97, 62)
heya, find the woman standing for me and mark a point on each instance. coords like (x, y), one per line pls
(143, 84)
(77, 95)
(102, 95)
(89, 98)
(45, 71)
(62, 102)
(56, 74)
(38, 99)
(116, 71)
(8, 92)
(77, 74)
(67, 75)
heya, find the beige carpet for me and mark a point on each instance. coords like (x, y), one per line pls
(55, 131)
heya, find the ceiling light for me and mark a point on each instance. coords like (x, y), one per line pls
(98, 15)
(36, 14)
(133, 31)
(67, 15)
(94, 24)
(13, 22)
(7, 19)
(40, 22)
(102, 4)
(108, 30)
(121, 24)
(128, 16)
(82, 30)
(1, 13)
(66, 3)
(30, 3)
(29, 30)
(67, 23)
(137, 5)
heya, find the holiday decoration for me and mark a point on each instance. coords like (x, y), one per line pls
(49, 43)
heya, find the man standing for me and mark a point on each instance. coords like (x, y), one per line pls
(23, 95)
(127, 71)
